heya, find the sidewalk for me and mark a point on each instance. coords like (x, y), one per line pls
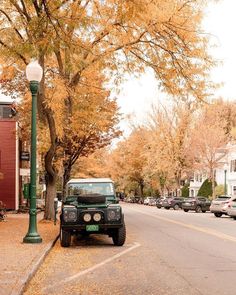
(19, 261)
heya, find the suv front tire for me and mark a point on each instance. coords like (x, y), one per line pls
(119, 236)
(65, 238)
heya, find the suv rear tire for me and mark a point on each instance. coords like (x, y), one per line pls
(218, 214)
(65, 238)
(186, 210)
(198, 209)
(176, 207)
(119, 236)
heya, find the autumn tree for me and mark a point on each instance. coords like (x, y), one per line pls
(90, 129)
(169, 139)
(93, 165)
(128, 160)
(71, 37)
(208, 141)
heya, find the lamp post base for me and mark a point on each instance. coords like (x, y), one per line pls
(32, 238)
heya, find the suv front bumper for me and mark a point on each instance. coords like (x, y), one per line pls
(82, 227)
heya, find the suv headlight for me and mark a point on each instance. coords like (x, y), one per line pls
(113, 214)
(70, 214)
(87, 217)
(97, 217)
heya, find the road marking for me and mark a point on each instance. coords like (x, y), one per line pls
(84, 272)
(208, 231)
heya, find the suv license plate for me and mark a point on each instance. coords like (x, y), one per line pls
(92, 227)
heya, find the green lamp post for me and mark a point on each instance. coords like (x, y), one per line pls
(34, 74)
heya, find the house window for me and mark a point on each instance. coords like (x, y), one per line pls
(233, 166)
(234, 190)
(5, 111)
(198, 177)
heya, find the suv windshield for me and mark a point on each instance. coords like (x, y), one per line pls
(76, 189)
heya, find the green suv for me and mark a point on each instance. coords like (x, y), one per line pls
(91, 207)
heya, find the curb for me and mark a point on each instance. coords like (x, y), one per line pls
(21, 286)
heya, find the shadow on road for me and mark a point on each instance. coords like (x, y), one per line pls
(92, 241)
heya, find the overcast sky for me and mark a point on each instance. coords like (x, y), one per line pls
(137, 95)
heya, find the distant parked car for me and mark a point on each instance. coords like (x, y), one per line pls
(198, 204)
(175, 203)
(159, 202)
(137, 199)
(128, 200)
(146, 201)
(220, 204)
(152, 202)
(149, 201)
(231, 209)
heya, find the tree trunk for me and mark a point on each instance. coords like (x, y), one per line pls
(50, 195)
(66, 178)
(212, 178)
(213, 185)
(141, 185)
(45, 114)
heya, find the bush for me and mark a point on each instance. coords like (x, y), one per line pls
(206, 189)
(185, 190)
(220, 190)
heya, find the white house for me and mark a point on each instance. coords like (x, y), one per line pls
(230, 169)
(224, 174)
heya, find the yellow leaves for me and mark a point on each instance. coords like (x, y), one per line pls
(8, 72)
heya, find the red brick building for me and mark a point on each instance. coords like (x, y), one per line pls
(9, 158)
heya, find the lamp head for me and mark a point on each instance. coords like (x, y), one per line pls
(34, 71)
(225, 166)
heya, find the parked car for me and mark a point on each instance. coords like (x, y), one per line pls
(152, 202)
(220, 204)
(91, 207)
(231, 208)
(146, 200)
(175, 203)
(138, 199)
(159, 202)
(198, 204)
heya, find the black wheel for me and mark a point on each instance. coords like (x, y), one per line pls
(218, 214)
(167, 208)
(198, 209)
(176, 207)
(158, 207)
(234, 217)
(119, 236)
(186, 210)
(65, 238)
(203, 211)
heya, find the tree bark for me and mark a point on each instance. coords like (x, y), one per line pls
(141, 185)
(66, 178)
(50, 195)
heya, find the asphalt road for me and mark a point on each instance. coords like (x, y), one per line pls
(167, 252)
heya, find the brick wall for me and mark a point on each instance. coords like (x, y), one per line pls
(8, 160)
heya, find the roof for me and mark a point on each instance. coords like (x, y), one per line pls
(5, 102)
(85, 180)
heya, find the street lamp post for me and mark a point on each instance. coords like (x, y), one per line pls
(34, 74)
(225, 186)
